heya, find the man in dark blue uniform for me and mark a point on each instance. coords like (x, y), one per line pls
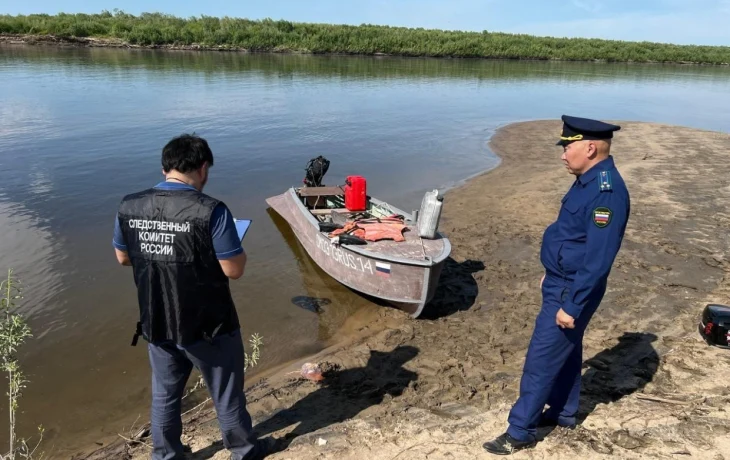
(183, 248)
(577, 252)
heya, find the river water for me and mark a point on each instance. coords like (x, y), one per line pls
(79, 128)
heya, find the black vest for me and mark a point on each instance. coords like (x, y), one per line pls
(182, 291)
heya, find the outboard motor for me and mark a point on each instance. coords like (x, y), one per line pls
(316, 169)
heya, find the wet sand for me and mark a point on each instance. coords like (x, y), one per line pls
(438, 387)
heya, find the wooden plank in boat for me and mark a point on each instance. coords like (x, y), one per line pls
(321, 191)
(323, 211)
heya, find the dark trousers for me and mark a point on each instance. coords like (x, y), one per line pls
(221, 364)
(552, 369)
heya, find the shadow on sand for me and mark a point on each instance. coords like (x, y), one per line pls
(616, 372)
(457, 289)
(343, 395)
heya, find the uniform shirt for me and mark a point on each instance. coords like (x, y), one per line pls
(581, 245)
(222, 227)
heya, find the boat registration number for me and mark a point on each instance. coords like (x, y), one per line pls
(346, 259)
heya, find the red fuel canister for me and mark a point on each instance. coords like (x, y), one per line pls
(355, 193)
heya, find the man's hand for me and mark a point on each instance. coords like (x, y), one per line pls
(564, 320)
(123, 258)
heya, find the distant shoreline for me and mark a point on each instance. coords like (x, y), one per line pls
(94, 42)
(166, 32)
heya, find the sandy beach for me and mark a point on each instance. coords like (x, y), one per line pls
(440, 386)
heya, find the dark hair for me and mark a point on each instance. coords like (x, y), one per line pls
(186, 153)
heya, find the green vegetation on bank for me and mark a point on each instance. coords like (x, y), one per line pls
(14, 330)
(155, 29)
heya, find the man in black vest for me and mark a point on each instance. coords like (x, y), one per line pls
(183, 247)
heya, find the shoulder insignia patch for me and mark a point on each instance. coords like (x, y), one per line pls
(602, 216)
(604, 181)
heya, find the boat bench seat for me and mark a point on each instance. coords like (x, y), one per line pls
(321, 191)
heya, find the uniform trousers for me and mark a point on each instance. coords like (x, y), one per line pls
(552, 369)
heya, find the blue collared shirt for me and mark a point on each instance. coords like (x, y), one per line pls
(222, 227)
(582, 244)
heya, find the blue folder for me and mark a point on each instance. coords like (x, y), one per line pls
(242, 226)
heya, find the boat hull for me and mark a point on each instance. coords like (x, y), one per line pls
(407, 285)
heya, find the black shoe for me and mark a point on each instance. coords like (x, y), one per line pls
(506, 445)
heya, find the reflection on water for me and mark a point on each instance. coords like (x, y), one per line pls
(30, 249)
(339, 301)
(287, 69)
(80, 128)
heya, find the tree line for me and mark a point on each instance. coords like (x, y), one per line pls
(267, 35)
